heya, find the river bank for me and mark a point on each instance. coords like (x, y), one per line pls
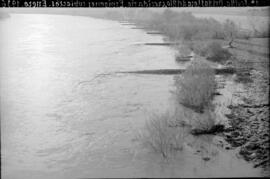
(246, 120)
(57, 124)
(249, 117)
(245, 102)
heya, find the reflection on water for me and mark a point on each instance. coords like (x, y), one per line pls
(53, 125)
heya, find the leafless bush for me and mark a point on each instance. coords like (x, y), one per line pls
(199, 48)
(184, 50)
(195, 87)
(183, 53)
(199, 123)
(230, 31)
(204, 122)
(243, 70)
(212, 51)
(216, 53)
(162, 136)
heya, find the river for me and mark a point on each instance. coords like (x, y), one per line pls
(65, 113)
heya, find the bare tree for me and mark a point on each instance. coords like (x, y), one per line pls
(230, 31)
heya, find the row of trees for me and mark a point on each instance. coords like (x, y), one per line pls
(181, 25)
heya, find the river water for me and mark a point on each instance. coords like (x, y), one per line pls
(65, 113)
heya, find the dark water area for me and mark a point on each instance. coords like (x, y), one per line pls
(63, 117)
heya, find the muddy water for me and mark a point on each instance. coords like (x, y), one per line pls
(65, 114)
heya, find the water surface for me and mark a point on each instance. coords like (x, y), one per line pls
(66, 114)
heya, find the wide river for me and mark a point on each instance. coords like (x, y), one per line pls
(65, 113)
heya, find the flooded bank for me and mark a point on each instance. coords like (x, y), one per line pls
(55, 126)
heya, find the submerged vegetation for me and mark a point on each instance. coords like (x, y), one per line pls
(166, 133)
(162, 136)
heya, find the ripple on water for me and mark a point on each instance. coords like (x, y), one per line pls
(67, 115)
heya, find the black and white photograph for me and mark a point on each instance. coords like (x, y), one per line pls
(141, 92)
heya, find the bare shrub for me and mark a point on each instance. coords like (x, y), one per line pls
(196, 86)
(204, 122)
(212, 51)
(184, 50)
(162, 136)
(243, 70)
(199, 48)
(183, 53)
(200, 123)
(216, 53)
(231, 31)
